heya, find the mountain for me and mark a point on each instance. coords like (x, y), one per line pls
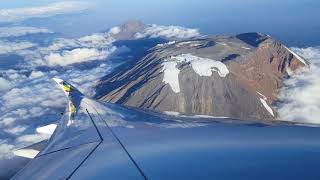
(128, 30)
(230, 76)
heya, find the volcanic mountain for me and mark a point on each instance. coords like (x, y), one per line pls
(231, 76)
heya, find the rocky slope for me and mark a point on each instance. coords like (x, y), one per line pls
(231, 76)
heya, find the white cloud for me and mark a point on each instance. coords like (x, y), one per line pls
(301, 98)
(87, 48)
(29, 98)
(115, 30)
(171, 32)
(61, 43)
(33, 100)
(4, 84)
(76, 56)
(33, 138)
(18, 14)
(21, 31)
(7, 121)
(5, 150)
(10, 47)
(16, 130)
(96, 40)
(36, 97)
(36, 74)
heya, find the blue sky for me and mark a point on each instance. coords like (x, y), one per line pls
(292, 21)
(41, 39)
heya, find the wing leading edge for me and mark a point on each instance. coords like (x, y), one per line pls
(79, 136)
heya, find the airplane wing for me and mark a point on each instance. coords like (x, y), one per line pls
(108, 141)
(80, 134)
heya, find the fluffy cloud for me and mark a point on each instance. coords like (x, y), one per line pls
(115, 30)
(33, 138)
(64, 52)
(21, 31)
(36, 74)
(96, 40)
(4, 84)
(171, 32)
(16, 130)
(300, 99)
(76, 56)
(10, 47)
(18, 14)
(31, 99)
(5, 150)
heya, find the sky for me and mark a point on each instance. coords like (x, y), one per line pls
(291, 21)
(71, 39)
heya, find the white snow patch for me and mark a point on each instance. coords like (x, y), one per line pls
(183, 43)
(223, 44)
(177, 125)
(178, 114)
(202, 66)
(171, 75)
(289, 71)
(297, 56)
(263, 100)
(171, 113)
(263, 96)
(189, 43)
(165, 44)
(243, 47)
(207, 116)
(265, 104)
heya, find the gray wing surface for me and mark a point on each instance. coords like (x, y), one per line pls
(80, 137)
(109, 141)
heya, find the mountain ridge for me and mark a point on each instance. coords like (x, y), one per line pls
(257, 66)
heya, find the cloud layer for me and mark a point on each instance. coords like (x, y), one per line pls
(300, 99)
(18, 14)
(10, 47)
(29, 98)
(75, 56)
(21, 31)
(171, 32)
(4, 84)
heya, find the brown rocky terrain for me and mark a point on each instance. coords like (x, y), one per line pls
(256, 66)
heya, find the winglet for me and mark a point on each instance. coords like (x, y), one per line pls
(65, 86)
(73, 95)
